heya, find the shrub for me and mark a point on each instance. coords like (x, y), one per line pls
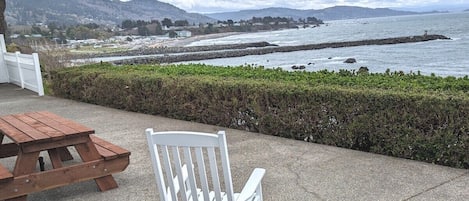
(410, 116)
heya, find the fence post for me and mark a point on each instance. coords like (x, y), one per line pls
(37, 70)
(4, 75)
(20, 71)
(2, 43)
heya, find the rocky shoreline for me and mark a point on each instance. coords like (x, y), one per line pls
(238, 50)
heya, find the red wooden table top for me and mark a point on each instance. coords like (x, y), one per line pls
(39, 126)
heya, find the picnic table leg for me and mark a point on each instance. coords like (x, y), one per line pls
(88, 152)
(65, 154)
(58, 155)
(25, 164)
(55, 158)
(1, 140)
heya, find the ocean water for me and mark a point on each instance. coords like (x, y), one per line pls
(440, 57)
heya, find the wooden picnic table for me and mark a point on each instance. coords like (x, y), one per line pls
(35, 132)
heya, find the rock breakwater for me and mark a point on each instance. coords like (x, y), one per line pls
(268, 49)
(169, 50)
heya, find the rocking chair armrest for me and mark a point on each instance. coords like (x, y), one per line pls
(251, 185)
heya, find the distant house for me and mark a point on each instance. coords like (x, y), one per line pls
(184, 33)
(15, 36)
(219, 25)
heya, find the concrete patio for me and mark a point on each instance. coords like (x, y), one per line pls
(296, 170)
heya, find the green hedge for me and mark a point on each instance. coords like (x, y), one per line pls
(410, 116)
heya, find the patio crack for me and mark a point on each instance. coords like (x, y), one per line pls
(434, 187)
(298, 176)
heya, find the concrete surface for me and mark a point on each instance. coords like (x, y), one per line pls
(296, 170)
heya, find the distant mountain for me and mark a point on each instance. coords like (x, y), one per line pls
(332, 13)
(437, 7)
(248, 14)
(97, 11)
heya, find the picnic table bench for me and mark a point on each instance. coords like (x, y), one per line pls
(5, 175)
(35, 132)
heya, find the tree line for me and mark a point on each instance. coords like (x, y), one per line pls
(62, 33)
(129, 24)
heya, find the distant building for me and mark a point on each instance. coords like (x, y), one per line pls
(15, 36)
(220, 25)
(184, 33)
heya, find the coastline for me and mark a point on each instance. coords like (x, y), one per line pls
(268, 49)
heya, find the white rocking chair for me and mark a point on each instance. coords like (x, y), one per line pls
(184, 184)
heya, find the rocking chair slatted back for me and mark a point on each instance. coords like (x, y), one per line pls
(177, 149)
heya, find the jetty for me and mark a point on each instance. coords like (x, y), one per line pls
(206, 52)
(174, 49)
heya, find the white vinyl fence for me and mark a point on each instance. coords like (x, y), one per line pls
(20, 69)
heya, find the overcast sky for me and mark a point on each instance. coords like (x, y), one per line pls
(211, 6)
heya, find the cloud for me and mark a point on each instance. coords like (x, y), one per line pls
(207, 6)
